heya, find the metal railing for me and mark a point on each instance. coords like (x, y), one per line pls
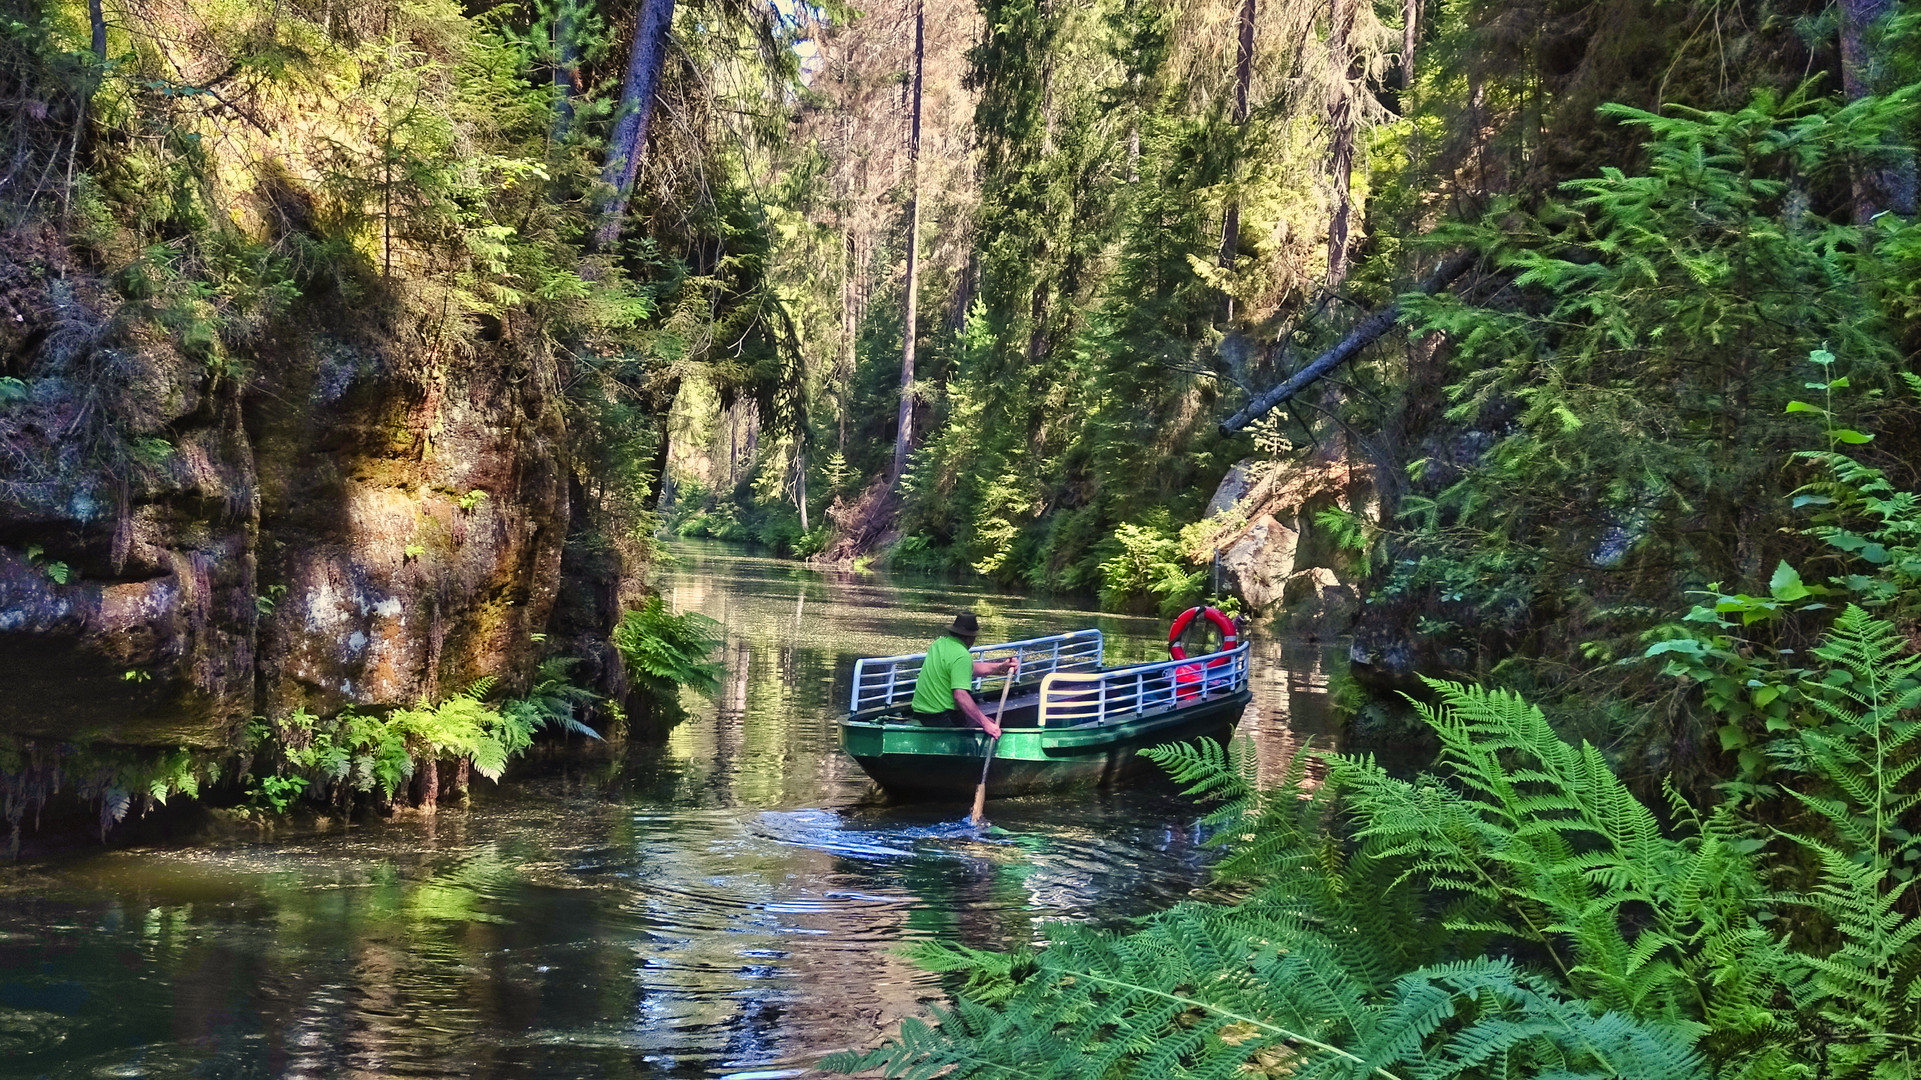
(1073, 699)
(889, 680)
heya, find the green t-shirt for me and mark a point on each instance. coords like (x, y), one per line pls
(948, 666)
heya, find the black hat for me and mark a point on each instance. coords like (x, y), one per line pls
(965, 625)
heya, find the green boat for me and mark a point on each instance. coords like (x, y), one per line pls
(1070, 721)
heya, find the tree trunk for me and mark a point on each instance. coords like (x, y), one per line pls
(97, 16)
(849, 333)
(1243, 80)
(628, 143)
(1134, 133)
(566, 66)
(657, 479)
(800, 482)
(1410, 35)
(426, 783)
(1886, 183)
(1341, 149)
(904, 434)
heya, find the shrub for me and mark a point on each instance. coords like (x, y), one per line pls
(664, 651)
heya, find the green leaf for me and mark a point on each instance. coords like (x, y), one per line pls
(1786, 584)
(1802, 406)
(1850, 436)
(1689, 646)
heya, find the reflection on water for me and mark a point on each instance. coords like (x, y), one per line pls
(726, 907)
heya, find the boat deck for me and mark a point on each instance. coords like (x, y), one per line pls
(1069, 720)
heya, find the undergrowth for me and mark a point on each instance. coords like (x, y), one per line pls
(1518, 912)
(664, 651)
(360, 753)
(341, 761)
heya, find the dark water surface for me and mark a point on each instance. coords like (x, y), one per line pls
(724, 906)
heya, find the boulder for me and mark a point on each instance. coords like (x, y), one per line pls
(1260, 562)
(1316, 603)
(1235, 486)
(1280, 562)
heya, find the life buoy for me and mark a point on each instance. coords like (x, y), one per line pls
(1187, 681)
(1230, 637)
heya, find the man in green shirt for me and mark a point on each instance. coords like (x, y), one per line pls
(943, 694)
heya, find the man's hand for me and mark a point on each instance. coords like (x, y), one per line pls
(992, 729)
(1011, 664)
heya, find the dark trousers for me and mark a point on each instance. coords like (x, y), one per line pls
(946, 718)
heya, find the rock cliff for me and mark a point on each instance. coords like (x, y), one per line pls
(336, 514)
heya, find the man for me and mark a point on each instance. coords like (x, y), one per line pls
(943, 694)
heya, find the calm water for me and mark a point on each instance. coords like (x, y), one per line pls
(727, 905)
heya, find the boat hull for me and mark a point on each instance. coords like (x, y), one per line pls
(910, 761)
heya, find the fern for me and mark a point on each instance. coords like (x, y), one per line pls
(1517, 912)
(664, 651)
(1864, 759)
(1213, 772)
(554, 700)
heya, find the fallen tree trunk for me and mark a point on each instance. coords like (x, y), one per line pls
(1363, 335)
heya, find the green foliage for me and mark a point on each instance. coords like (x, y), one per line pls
(357, 752)
(1733, 646)
(1151, 564)
(1355, 533)
(118, 780)
(664, 651)
(1517, 913)
(57, 571)
(554, 700)
(276, 794)
(1627, 399)
(267, 598)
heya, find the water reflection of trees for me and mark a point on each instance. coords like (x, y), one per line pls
(624, 924)
(1290, 707)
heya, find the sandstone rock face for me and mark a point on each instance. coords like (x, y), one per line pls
(414, 516)
(127, 524)
(1279, 560)
(1233, 488)
(326, 522)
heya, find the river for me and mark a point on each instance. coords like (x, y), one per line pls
(726, 905)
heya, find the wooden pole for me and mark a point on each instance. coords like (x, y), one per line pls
(979, 816)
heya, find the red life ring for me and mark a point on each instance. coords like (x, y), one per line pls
(1230, 638)
(1187, 680)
